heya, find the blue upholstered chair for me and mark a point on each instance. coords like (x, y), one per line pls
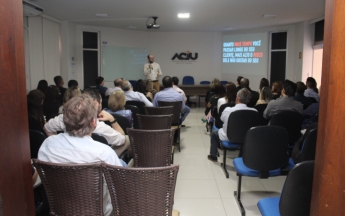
(188, 80)
(205, 83)
(264, 153)
(239, 123)
(223, 82)
(134, 84)
(295, 198)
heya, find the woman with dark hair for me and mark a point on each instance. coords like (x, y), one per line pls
(142, 88)
(276, 89)
(210, 92)
(218, 93)
(35, 100)
(230, 95)
(42, 85)
(263, 82)
(265, 95)
(52, 102)
(312, 90)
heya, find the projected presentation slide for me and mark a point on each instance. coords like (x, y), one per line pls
(245, 54)
(125, 62)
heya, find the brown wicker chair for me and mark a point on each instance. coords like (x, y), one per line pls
(167, 110)
(72, 189)
(142, 191)
(151, 148)
(1, 211)
(176, 120)
(154, 122)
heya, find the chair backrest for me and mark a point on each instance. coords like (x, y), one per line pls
(219, 123)
(141, 191)
(240, 121)
(265, 148)
(99, 138)
(151, 148)
(295, 198)
(1, 211)
(188, 80)
(36, 140)
(224, 82)
(312, 99)
(105, 102)
(72, 189)
(135, 110)
(309, 146)
(166, 110)
(290, 120)
(205, 83)
(261, 108)
(139, 104)
(122, 121)
(214, 110)
(209, 95)
(177, 107)
(134, 84)
(154, 122)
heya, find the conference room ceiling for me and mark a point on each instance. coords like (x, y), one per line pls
(205, 15)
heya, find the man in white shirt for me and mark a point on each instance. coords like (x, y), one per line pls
(117, 84)
(114, 135)
(242, 98)
(152, 71)
(76, 145)
(134, 96)
(175, 81)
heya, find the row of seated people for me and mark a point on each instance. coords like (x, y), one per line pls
(266, 110)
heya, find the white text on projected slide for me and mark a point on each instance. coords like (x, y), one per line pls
(242, 52)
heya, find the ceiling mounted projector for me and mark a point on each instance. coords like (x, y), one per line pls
(153, 25)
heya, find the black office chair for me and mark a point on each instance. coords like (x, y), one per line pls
(291, 121)
(219, 123)
(264, 153)
(139, 104)
(122, 121)
(135, 110)
(99, 138)
(105, 102)
(239, 123)
(36, 140)
(261, 108)
(176, 120)
(295, 198)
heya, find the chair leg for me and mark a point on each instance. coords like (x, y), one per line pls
(224, 164)
(179, 140)
(237, 195)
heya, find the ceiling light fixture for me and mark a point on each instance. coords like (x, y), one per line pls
(183, 15)
(268, 16)
(153, 25)
(102, 15)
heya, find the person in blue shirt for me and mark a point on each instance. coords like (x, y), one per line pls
(169, 94)
(100, 86)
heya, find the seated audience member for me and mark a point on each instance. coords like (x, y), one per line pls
(117, 84)
(52, 102)
(312, 90)
(100, 86)
(299, 96)
(36, 118)
(286, 102)
(176, 88)
(265, 95)
(230, 95)
(141, 87)
(116, 104)
(255, 96)
(132, 95)
(72, 83)
(242, 98)
(76, 145)
(42, 85)
(114, 134)
(70, 92)
(213, 102)
(210, 92)
(59, 83)
(169, 94)
(276, 90)
(263, 83)
(238, 85)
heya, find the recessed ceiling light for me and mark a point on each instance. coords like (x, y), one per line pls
(268, 16)
(228, 28)
(183, 15)
(102, 15)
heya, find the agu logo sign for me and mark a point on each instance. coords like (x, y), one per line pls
(185, 57)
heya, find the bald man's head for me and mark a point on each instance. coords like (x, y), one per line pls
(245, 83)
(126, 86)
(118, 82)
